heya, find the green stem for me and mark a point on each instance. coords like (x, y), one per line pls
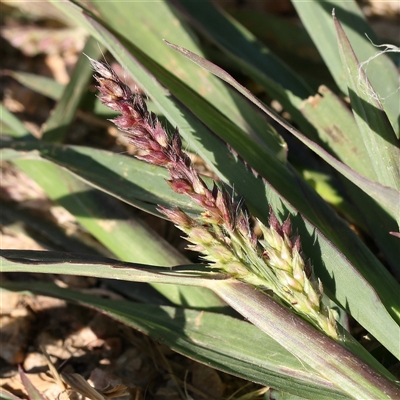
(334, 362)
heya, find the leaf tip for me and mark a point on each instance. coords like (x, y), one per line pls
(169, 43)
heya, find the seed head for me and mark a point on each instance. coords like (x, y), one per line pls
(222, 232)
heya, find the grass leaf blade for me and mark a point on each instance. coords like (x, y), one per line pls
(377, 133)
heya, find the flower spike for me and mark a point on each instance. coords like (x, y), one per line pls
(222, 232)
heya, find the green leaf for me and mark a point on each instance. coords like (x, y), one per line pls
(56, 126)
(15, 126)
(376, 132)
(338, 130)
(101, 267)
(237, 41)
(288, 40)
(54, 90)
(41, 84)
(316, 17)
(279, 395)
(219, 341)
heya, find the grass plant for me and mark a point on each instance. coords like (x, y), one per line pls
(298, 232)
